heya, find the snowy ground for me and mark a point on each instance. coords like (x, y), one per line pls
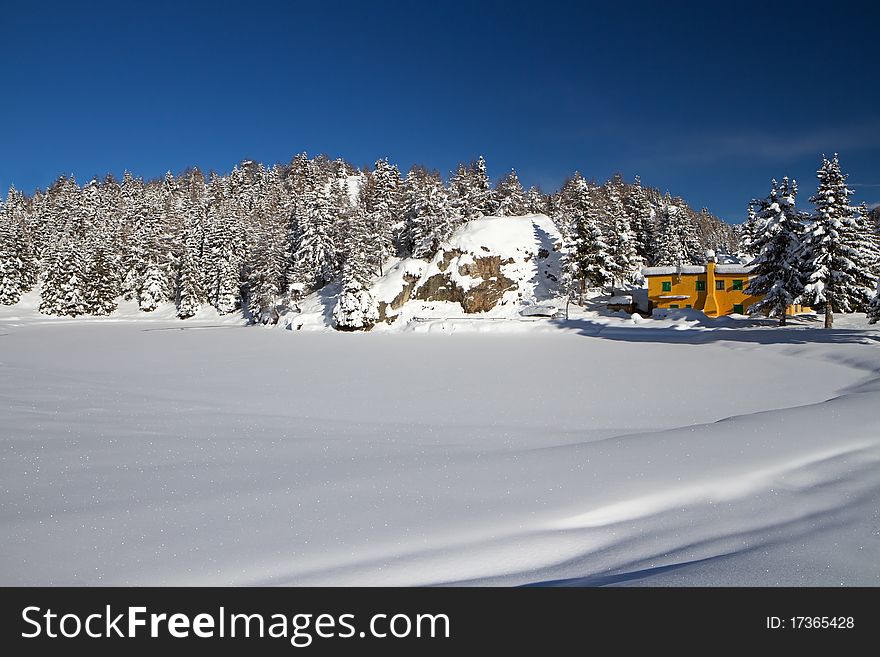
(603, 450)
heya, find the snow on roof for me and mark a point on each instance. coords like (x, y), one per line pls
(620, 300)
(673, 269)
(674, 296)
(696, 269)
(733, 269)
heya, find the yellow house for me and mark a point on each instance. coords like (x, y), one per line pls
(714, 288)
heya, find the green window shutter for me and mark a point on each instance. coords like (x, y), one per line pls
(673, 305)
(738, 308)
(737, 284)
(701, 286)
(667, 286)
(688, 306)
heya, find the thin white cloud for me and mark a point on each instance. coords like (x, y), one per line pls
(734, 143)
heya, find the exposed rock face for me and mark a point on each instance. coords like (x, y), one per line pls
(477, 299)
(397, 302)
(484, 296)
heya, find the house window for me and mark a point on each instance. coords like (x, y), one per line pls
(719, 285)
(688, 306)
(737, 284)
(701, 286)
(738, 307)
(673, 305)
(667, 286)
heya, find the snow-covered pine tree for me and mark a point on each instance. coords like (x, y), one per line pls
(152, 288)
(18, 269)
(10, 263)
(380, 196)
(570, 203)
(134, 235)
(586, 260)
(189, 285)
(641, 218)
(837, 276)
(536, 201)
(428, 214)
(189, 290)
(316, 254)
(586, 257)
(222, 250)
(864, 238)
(677, 239)
(509, 196)
(460, 193)
(356, 309)
(874, 306)
(776, 242)
(268, 251)
(483, 199)
(622, 261)
(103, 277)
(64, 287)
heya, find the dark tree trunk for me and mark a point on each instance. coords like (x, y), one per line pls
(829, 318)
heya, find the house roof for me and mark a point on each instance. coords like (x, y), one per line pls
(733, 269)
(673, 269)
(696, 269)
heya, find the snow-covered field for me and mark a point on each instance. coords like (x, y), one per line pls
(598, 450)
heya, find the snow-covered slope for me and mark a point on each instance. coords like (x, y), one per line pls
(596, 451)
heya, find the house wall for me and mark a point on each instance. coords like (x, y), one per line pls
(713, 301)
(684, 285)
(728, 297)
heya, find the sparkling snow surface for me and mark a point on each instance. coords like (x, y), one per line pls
(601, 450)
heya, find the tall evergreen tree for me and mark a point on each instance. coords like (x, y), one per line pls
(356, 308)
(677, 240)
(483, 200)
(64, 287)
(587, 257)
(509, 195)
(622, 261)
(536, 201)
(428, 215)
(838, 278)
(18, 269)
(189, 285)
(381, 200)
(102, 287)
(641, 218)
(776, 242)
(316, 255)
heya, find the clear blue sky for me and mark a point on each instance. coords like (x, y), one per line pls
(706, 99)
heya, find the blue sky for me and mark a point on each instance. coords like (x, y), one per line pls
(708, 100)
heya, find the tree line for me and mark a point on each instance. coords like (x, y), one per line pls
(254, 238)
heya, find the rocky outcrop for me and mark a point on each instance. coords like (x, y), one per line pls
(491, 283)
(484, 296)
(405, 294)
(490, 265)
